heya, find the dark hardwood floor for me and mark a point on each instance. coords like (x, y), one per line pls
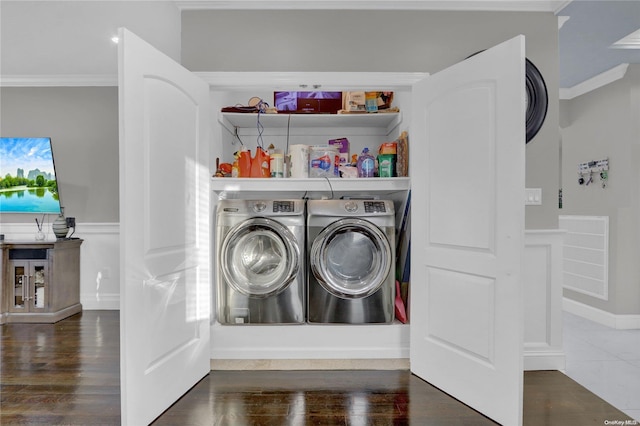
(68, 374)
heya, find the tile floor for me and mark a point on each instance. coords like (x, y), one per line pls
(604, 360)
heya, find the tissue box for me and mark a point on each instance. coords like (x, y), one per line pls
(343, 148)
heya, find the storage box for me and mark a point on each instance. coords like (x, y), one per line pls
(308, 102)
(367, 101)
(342, 144)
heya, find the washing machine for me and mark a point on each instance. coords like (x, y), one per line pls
(351, 261)
(260, 251)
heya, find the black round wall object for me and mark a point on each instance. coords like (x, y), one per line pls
(537, 99)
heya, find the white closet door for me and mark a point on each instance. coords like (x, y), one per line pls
(164, 230)
(467, 167)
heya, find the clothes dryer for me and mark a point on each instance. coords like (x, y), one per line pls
(260, 261)
(351, 247)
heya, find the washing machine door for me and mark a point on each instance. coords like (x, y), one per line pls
(259, 257)
(351, 258)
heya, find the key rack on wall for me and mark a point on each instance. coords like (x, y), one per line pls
(589, 169)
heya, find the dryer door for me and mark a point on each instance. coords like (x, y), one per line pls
(351, 258)
(259, 257)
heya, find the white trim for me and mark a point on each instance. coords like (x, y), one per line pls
(562, 20)
(303, 341)
(283, 80)
(310, 364)
(575, 225)
(600, 80)
(236, 80)
(92, 302)
(617, 321)
(455, 5)
(76, 80)
(560, 5)
(543, 300)
(88, 228)
(543, 358)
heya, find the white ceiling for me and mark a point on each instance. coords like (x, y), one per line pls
(585, 38)
(70, 40)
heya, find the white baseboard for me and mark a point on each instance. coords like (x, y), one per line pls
(310, 364)
(98, 302)
(543, 359)
(619, 322)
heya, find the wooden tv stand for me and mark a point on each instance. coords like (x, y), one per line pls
(40, 280)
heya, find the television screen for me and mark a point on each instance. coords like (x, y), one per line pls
(27, 176)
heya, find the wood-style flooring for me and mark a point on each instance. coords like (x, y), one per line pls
(68, 374)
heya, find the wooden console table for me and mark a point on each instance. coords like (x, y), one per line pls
(40, 280)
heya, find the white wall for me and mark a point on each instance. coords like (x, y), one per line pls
(56, 37)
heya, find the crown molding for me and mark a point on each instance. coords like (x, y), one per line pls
(615, 73)
(78, 80)
(560, 5)
(460, 5)
(239, 80)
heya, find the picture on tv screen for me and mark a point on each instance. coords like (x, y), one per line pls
(27, 176)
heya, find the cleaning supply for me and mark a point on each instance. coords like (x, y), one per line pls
(324, 161)
(244, 163)
(276, 163)
(260, 164)
(386, 165)
(366, 164)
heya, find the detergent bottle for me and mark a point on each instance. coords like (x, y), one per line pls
(366, 164)
(260, 164)
(244, 163)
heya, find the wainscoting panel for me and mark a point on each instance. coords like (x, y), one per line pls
(99, 259)
(586, 254)
(100, 289)
(543, 300)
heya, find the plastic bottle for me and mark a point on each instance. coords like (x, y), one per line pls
(235, 167)
(244, 163)
(366, 164)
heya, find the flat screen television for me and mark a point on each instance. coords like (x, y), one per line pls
(27, 176)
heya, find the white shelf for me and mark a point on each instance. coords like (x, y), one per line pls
(383, 123)
(372, 185)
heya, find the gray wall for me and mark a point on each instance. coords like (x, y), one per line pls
(83, 121)
(605, 123)
(83, 125)
(400, 41)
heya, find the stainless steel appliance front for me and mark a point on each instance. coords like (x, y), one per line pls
(260, 261)
(351, 261)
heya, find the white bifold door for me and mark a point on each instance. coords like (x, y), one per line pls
(165, 233)
(467, 171)
(467, 217)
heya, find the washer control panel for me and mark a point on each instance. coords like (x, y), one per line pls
(351, 206)
(375, 207)
(259, 206)
(283, 206)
